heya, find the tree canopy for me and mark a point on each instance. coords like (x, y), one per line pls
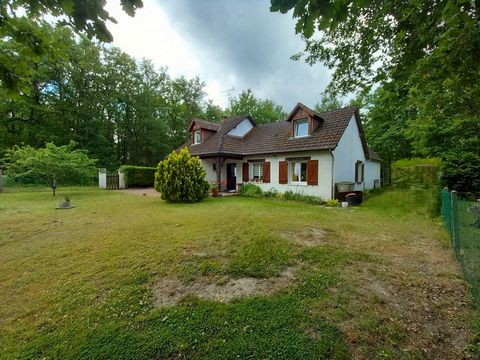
(22, 32)
(262, 110)
(414, 63)
(51, 165)
(120, 110)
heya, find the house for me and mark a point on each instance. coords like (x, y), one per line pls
(308, 153)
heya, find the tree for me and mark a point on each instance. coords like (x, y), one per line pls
(84, 16)
(462, 172)
(420, 56)
(363, 41)
(120, 110)
(29, 43)
(263, 111)
(52, 165)
(328, 102)
(181, 178)
(212, 112)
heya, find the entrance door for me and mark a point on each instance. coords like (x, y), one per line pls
(231, 176)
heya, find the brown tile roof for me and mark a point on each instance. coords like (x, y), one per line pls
(220, 143)
(372, 155)
(306, 108)
(276, 137)
(204, 124)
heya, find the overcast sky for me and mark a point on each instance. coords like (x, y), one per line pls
(229, 44)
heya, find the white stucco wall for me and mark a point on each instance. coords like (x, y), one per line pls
(372, 173)
(348, 151)
(323, 189)
(208, 165)
(241, 129)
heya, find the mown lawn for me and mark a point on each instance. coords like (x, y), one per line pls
(377, 281)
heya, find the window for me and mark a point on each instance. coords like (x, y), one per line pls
(298, 172)
(197, 137)
(257, 171)
(301, 128)
(359, 168)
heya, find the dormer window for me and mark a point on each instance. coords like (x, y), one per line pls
(197, 137)
(301, 128)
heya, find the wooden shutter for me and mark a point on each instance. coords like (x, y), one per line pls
(283, 172)
(359, 179)
(312, 172)
(245, 176)
(266, 171)
(356, 172)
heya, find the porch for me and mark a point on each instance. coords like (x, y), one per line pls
(225, 172)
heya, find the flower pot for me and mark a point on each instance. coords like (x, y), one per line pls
(215, 192)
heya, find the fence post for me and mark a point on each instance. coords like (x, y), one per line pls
(121, 179)
(455, 222)
(102, 178)
(443, 209)
(1, 179)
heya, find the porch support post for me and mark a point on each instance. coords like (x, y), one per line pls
(219, 162)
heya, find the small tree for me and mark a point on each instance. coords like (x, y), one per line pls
(51, 165)
(181, 178)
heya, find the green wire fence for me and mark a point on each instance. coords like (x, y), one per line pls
(461, 219)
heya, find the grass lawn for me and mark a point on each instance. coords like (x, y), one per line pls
(377, 281)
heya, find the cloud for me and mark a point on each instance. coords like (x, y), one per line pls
(228, 44)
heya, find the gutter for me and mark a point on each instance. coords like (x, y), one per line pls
(332, 195)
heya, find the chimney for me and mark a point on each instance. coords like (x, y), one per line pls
(222, 119)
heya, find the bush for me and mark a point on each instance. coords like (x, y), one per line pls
(416, 172)
(250, 190)
(138, 176)
(332, 203)
(461, 172)
(308, 199)
(271, 194)
(181, 178)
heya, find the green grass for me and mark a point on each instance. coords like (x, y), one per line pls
(78, 283)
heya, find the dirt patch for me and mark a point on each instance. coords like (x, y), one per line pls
(412, 312)
(140, 192)
(169, 291)
(308, 237)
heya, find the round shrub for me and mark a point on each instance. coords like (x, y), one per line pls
(181, 178)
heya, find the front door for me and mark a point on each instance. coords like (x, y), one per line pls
(231, 176)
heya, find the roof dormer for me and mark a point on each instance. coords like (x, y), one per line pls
(304, 121)
(201, 130)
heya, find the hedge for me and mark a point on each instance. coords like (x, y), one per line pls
(138, 176)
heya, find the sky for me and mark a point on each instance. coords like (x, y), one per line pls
(230, 45)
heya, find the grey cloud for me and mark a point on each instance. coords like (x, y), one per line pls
(244, 41)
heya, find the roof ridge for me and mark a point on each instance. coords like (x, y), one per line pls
(342, 108)
(204, 121)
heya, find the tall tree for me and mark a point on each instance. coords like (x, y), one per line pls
(262, 110)
(328, 102)
(29, 43)
(422, 57)
(120, 110)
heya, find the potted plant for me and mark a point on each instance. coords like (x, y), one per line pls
(215, 189)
